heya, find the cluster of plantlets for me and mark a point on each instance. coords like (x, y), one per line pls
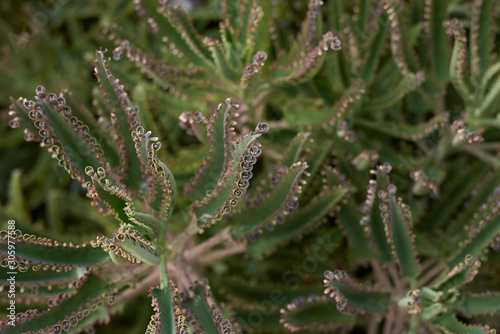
(267, 223)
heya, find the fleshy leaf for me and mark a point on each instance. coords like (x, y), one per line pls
(371, 209)
(303, 69)
(101, 189)
(23, 117)
(450, 324)
(403, 131)
(489, 91)
(64, 134)
(439, 40)
(481, 35)
(297, 223)
(164, 319)
(459, 62)
(205, 317)
(234, 182)
(398, 224)
(375, 50)
(352, 297)
(125, 119)
(65, 311)
(214, 164)
(310, 32)
(482, 230)
(472, 304)
(350, 219)
(173, 23)
(162, 188)
(129, 245)
(47, 252)
(314, 314)
(463, 273)
(449, 200)
(406, 85)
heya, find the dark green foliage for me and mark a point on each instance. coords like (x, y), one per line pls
(329, 167)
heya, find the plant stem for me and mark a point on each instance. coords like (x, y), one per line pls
(203, 247)
(223, 253)
(181, 240)
(379, 275)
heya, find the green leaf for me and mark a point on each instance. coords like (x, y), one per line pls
(280, 201)
(351, 219)
(216, 161)
(174, 24)
(489, 91)
(376, 49)
(235, 181)
(296, 224)
(459, 62)
(221, 63)
(459, 275)
(306, 67)
(450, 199)
(314, 312)
(474, 246)
(397, 218)
(53, 277)
(473, 304)
(481, 35)
(404, 131)
(294, 149)
(108, 195)
(162, 300)
(106, 143)
(309, 33)
(353, 297)
(125, 119)
(406, 85)
(439, 40)
(24, 116)
(206, 318)
(162, 187)
(373, 214)
(137, 247)
(41, 251)
(71, 154)
(64, 310)
(450, 324)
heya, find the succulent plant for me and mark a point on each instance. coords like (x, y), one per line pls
(364, 199)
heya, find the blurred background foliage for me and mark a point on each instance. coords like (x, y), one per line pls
(53, 43)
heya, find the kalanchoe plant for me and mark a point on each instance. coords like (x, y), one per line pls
(379, 164)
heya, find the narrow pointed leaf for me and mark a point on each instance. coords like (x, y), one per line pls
(397, 218)
(295, 224)
(90, 297)
(481, 35)
(313, 313)
(484, 303)
(44, 251)
(125, 119)
(276, 203)
(352, 297)
(164, 317)
(439, 40)
(214, 164)
(234, 182)
(450, 324)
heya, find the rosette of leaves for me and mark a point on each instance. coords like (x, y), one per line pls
(116, 161)
(399, 90)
